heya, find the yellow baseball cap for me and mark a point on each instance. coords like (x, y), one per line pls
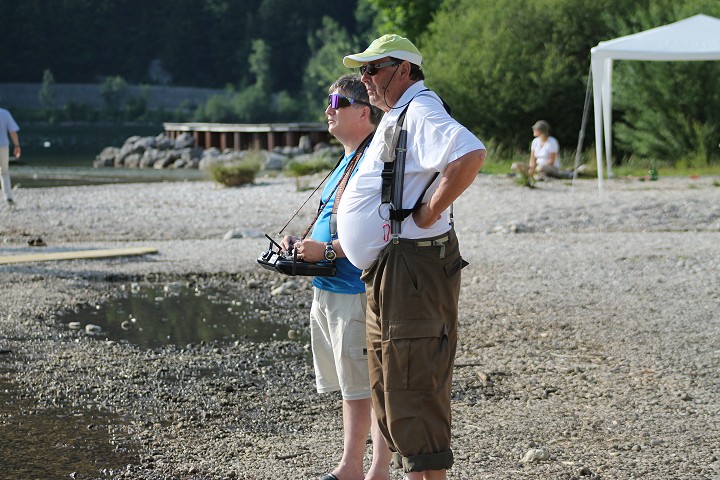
(390, 45)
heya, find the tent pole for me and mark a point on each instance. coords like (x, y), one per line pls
(597, 75)
(607, 113)
(583, 124)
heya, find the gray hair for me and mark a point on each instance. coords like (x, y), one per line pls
(542, 126)
(351, 86)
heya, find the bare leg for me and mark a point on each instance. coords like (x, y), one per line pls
(5, 173)
(520, 168)
(356, 425)
(380, 468)
(427, 475)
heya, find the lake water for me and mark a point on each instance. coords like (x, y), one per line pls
(63, 155)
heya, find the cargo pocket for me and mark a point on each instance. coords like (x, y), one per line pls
(358, 354)
(455, 266)
(415, 356)
(402, 296)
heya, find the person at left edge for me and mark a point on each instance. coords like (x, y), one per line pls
(337, 315)
(7, 125)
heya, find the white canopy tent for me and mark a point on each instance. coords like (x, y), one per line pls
(695, 38)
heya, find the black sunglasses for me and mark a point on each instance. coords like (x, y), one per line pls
(372, 69)
(335, 101)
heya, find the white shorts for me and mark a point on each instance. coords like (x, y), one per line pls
(337, 329)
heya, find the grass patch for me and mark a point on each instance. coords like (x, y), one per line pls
(499, 161)
(306, 168)
(311, 167)
(234, 174)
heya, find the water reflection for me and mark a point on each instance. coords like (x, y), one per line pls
(152, 316)
(34, 177)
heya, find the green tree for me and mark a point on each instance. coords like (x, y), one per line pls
(409, 18)
(217, 109)
(259, 64)
(503, 65)
(667, 111)
(47, 94)
(114, 91)
(136, 105)
(198, 42)
(328, 45)
(252, 105)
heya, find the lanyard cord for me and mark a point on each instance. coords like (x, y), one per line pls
(346, 175)
(348, 172)
(311, 195)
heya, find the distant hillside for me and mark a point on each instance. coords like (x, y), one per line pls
(26, 95)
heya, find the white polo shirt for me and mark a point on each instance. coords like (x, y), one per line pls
(434, 139)
(543, 151)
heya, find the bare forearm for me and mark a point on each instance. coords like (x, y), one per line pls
(16, 141)
(458, 176)
(309, 249)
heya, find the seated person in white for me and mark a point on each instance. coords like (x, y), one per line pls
(544, 158)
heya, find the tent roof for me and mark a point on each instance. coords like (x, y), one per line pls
(694, 38)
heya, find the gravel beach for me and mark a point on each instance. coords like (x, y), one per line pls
(589, 342)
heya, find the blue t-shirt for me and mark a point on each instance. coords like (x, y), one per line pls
(7, 124)
(347, 275)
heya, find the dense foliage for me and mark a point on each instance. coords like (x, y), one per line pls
(204, 43)
(668, 111)
(500, 65)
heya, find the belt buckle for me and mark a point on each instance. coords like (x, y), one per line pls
(441, 244)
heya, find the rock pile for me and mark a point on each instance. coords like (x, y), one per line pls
(162, 152)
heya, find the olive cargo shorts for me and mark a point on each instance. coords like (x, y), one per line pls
(411, 320)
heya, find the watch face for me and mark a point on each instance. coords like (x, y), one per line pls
(330, 253)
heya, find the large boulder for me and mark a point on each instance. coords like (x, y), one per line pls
(210, 157)
(149, 158)
(305, 144)
(184, 140)
(274, 161)
(106, 158)
(132, 160)
(163, 142)
(167, 158)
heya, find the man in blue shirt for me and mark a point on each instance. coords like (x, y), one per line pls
(337, 316)
(7, 126)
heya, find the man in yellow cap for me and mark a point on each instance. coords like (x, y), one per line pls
(400, 233)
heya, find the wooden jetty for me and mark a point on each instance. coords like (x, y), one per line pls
(260, 136)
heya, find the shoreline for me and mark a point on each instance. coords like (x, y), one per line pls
(589, 329)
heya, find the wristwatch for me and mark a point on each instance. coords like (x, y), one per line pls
(330, 254)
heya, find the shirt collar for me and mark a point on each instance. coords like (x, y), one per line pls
(406, 98)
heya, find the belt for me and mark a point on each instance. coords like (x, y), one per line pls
(432, 243)
(440, 242)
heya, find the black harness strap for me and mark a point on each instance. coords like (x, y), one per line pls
(388, 170)
(401, 214)
(393, 175)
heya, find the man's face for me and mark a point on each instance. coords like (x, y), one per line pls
(378, 82)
